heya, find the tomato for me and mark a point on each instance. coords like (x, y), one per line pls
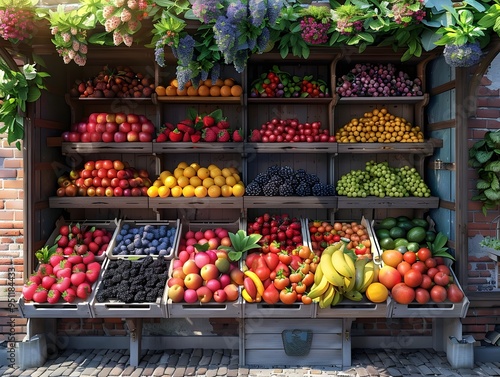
(392, 258)
(430, 262)
(265, 248)
(454, 293)
(423, 254)
(300, 287)
(288, 296)
(444, 268)
(250, 259)
(295, 276)
(308, 280)
(271, 294)
(403, 294)
(389, 276)
(336, 238)
(281, 282)
(304, 252)
(327, 236)
(410, 257)
(272, 260)
(304, 268)
(318, 236)
(313, 229)
(317, 223)
(284, 257)
(275, 247)
(422, 295)
(413, 278)
(403, 267)
(441, 278)
(285, 270)
(306, 300)
(427, 282)
(419, 265)
(438, 293)
(431, 272)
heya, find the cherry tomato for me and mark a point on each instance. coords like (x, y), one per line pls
(288, 296)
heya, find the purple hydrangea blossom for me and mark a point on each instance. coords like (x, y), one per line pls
(263, 40)
(215, 72)
(465, 55)
(237, 12)
(205, 10)
(183, 76)
(274, 9)
(160, 53)
(258, 11)
(184, 50)
(240, 60)
(225, 33)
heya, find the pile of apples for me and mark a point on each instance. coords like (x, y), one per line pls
(279, 130)
(111, 127)
(104, 178)
(201, 273)
(69, 269)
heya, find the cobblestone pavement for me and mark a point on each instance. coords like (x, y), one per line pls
(224, 363)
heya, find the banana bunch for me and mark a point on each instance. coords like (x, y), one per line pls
(337, 277)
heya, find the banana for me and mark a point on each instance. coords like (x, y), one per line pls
(339, 263)
(350, 264)
(326, 298)
(318, 274)
(246, 296)
(337, 298)
(349, 284)
(376, 267)
(256, 280)
(329, 272)
(318, 289)
(353, 295)
(368, 276)
(359, 273)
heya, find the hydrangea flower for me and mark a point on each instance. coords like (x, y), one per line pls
(237, 11)
(225, 33)
(185, 49)
(273, 10)
(465, 55)
(205, 10)
(258, 11)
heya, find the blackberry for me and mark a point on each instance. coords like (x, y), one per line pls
(303, 189)
(261, 178)
(101, 296)
(330, 190)
(300, 174)
(140, 296)
(271, 189)
(253, 189)
(319, 189)
(273, 170)
(286, 172)
(286, 189)
(311, 179)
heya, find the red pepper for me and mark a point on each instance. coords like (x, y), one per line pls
(175, 135)
(336, 238)
(360, 249)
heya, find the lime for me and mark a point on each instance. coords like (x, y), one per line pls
(401, 249)
(387, 243)
(430, 236)
(397, 232)
(382, 233)
(413, 246)
(416, 234)
(400, 242)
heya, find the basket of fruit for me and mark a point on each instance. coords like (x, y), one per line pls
(140, 238)
(69, 266)
(203, 279)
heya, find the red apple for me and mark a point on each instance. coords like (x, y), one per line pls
(118, 165)
(74, 137)
(224, 279)
(148, 127)
(111, 127)
(124, 183)
(91, 191)
(100, 191)
(145, 137)
(204, 294)
(120, 118)
(96, 137)
(136, 191)
(117, 191)
(132, 118)
(193, 281)
(86, 137)
(201, 259)
(178, 272)
(109, 191)
(220, 296)
(176, 293)
(190, 267)
(190, 296)
(111, 117)
(213, 284)
(101, 118)
(115, 182)
(107, 164)
(209, 271)
(119, 137)
(108, 137)
(93, 117)
(232, 292)
(91, 126)
(132, 136)
(124, 127)
(175, 281)
(81, 127)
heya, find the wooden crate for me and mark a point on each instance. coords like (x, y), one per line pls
(230, 309)
(352, 309)
(279, 310)
(77, 309)
(263, 342)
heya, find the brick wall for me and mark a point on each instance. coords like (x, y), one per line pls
(11, 240)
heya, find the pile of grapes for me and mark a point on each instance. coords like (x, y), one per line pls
(377, 80)
(381, 180)
(379, 126)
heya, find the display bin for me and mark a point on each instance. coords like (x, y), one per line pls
(117, 309)
(279, 310)
(445, 309)
(352, 309)
(139, 223)
(76, 309)
(114, 202)
(271, 342)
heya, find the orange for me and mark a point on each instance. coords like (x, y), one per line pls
(164, 174)
(200, 192)
(182, 164)
(195, 181)
(208, 182)
(234, 170)
(238, 190)
(160, 90)
(189, 172)
(236, 90)
(182, 92)
(208, 83)
(237, 177)
(195, 166)
(229, 82)
(163, 191)
(203, 173)
(174, 83)
(231, 181)
(215, 91)
(178, 172)
(188, 191)
(157, 183)
(170, 181)
(226, 191)
(183, 181)
(152, 191)
(215, 172)
(392, 258)
(377, 292)
(220, 180)
(203, 91)
(214, 191)
(219, 82)
(171, 91)
(226, 172)
(176, 191)
(225, 91)
(212, 166)
(192, 91)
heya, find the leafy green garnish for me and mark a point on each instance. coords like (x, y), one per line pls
(438, 247)
(43, 255)
(240, 243)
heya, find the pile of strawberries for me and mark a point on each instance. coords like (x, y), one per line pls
(208, 128)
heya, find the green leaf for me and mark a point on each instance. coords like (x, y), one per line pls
(483, 156)
(493, 166)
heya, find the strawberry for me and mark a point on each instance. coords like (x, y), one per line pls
(223, 136)
(48, 281)
(63, 272)
(29, 289)
(256, 136)
(196, 137)
(175, 135)
(186, 126)
(161, 138)
(53, 296)
(223, 124)
(45, 269)
(74, 259)
(83, 290)
(186, 137)
(55, 259)
(69, 295)
(237, 136)
(208, 121)
(169, 126)
(40, 295)
(35, 278)
(88, 258)
(209, 135)
(62, 284)
(93, 270)
(78, 278)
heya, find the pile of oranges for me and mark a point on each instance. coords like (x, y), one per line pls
(197, 181)
(206, 88)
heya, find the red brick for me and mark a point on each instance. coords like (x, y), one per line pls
(8, 173)
(13, 184)
(14, 204)
(13, 163)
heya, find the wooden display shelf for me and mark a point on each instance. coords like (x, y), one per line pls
(387, 202)
(425, 149)
(353, 309)
(108, 101)
(200, 203)
(98, 202)
(383, 100)
(300, 147)
(101, 147)
(279, 310)
(290, 201)
(293, 100)
(198, 99)
(228, 309)
(202, 147)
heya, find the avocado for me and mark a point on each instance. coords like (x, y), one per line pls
(388, 223)
(416, 234)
